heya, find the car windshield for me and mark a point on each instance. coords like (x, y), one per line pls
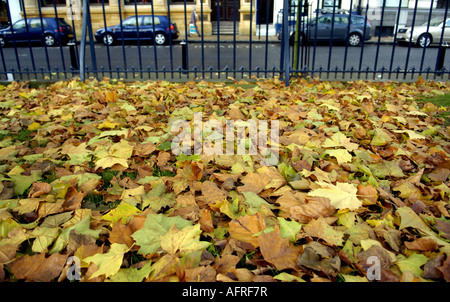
(433, 22)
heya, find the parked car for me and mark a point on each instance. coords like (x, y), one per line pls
(51, 31)
(160, 30)
(321, 29)
(425, 34)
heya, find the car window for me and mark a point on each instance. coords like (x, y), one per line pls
(356, 20)
(341, 20)
(148, 20)
(19, 25)
(129, 22)
(447, 23)
(324, 20)
(36, 23)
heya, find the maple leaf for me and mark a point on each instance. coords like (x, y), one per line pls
(108, 264)
(185, 240)
(341, 195)
(278, 250)
(149, 236)
(38, 267)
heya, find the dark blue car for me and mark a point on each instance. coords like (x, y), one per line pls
(159, 28)
(50, 31)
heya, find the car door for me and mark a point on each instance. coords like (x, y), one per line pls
(146, 29)
(323, 28)
(130, 27)
(340, 28)
(20, 31)
(35, 30)
(447, 31)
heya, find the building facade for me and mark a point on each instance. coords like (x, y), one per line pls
(243, 11)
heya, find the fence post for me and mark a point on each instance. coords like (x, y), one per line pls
(83, 42)
(286, 41)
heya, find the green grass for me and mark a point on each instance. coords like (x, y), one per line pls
(441, 101)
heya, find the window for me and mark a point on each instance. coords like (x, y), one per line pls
(131, 21)
(182, 1)
(331, 3)
(148, 20)
(50, 2)
(341, 20)
(357, 20)
(442, 4)
(36, 23)
(19, 25)
(98, 1)
(129, 2)
(324, 20)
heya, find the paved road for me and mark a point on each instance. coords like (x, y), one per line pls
(147, 57)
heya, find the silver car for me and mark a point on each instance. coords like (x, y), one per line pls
(425, 34)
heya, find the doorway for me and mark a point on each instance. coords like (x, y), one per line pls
(226, 10)
(264, 13)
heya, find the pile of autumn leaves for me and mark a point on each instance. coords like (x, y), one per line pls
(90, 189)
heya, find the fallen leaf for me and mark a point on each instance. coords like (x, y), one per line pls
(246, 227)
(39, 268)
(108, 264)
(277, 250)
(341, 195)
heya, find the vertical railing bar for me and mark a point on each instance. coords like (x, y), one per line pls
(363, 41)
(155, 51)
(410, 38)
(202, 39)
(379, 40)
(45, 45)
(83, 43)
(170, 44)
(315, 41)
(218, 34)
(74, 31)
(442, 37)
(333, 19)
(395, 39)
(286, 42)
(266, 53)
(348, 32)
(108, 53)
(138, 37)
(428, 28)
(123, 41)
(14, 40)
(250, 52)
(61, 51)
(28, 36)
(91, 42)
(234, 37)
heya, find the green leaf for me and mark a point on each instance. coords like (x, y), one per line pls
(132, 274)
(156, 225)
(186, 240)
(157, 198)
(289, 229)
(412, 263)
(82, 227)
(255, 202)
(108, 264)
(122, 212)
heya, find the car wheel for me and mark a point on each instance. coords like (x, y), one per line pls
(354, 40)
(2, 42)
(49, 40)
(424, 40)
(108, 39)
(160, 39)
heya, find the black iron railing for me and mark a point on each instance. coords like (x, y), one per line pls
(299, 46)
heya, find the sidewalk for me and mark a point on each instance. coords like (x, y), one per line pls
(259, 39)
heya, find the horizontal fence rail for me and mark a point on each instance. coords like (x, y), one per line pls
(231, 39)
